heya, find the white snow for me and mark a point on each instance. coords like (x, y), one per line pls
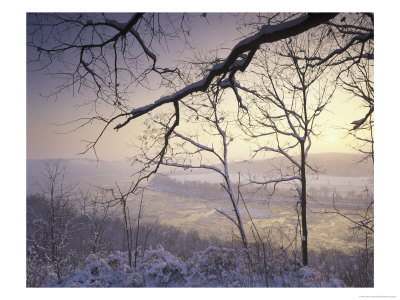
(212, 267)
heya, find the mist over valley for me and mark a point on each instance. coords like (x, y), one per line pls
(189, 199)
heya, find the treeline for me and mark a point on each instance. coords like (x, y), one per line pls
(60, 237)
(57, 252)
(216, 191)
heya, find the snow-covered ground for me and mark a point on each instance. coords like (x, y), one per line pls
(212, 267)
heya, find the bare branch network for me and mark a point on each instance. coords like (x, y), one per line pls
(282, 76)
(103, 69)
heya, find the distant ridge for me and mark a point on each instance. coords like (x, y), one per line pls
(79, 170)
(106, 172)
(330, 163)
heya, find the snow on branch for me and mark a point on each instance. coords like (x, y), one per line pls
(123, 29)
(229, 217)
(267, 34)
(144, 47)
(276, 180)
(357, 124)
(194, 143)
(198, 145)
(281, 151)
(189, 166)
(309, 144)
(357, 39)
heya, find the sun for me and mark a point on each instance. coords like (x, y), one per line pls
(331, 138)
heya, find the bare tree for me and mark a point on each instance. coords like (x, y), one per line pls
(113, 56)
(352, 38)
(357, 79)
(96, 209)
(52, 224)
(204, 147)
(127, 223)
(119, 197)
(361, 220)
(355, 70)
(287, 97)
(139, 217)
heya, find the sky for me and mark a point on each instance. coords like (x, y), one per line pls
(47, 139)
(43, 135)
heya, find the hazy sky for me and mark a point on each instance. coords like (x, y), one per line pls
(45, 141)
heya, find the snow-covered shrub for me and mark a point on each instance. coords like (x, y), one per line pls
(308, 277)
(162, 269)
(352, 268)
(99, 272)
(217, 267)
(36, 270)
(286, 272)
(213, 267)
(357, 269)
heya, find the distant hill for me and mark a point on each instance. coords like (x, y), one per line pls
(82, 171)
(80, 167)
(333, 164)
(343, 164)
(92, 172)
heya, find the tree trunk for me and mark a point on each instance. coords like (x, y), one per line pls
(137, 230)
(304, 206)
(127, 234)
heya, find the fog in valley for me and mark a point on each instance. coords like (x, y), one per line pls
(189, 199)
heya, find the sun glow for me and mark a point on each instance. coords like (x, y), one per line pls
(331, 138)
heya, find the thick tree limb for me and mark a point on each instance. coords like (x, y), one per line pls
(267, 34)
(357, 124)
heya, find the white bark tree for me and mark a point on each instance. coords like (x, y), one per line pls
(204, 147)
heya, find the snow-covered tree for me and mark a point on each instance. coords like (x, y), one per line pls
(51, 219)
(96, 208)
(204, 146)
